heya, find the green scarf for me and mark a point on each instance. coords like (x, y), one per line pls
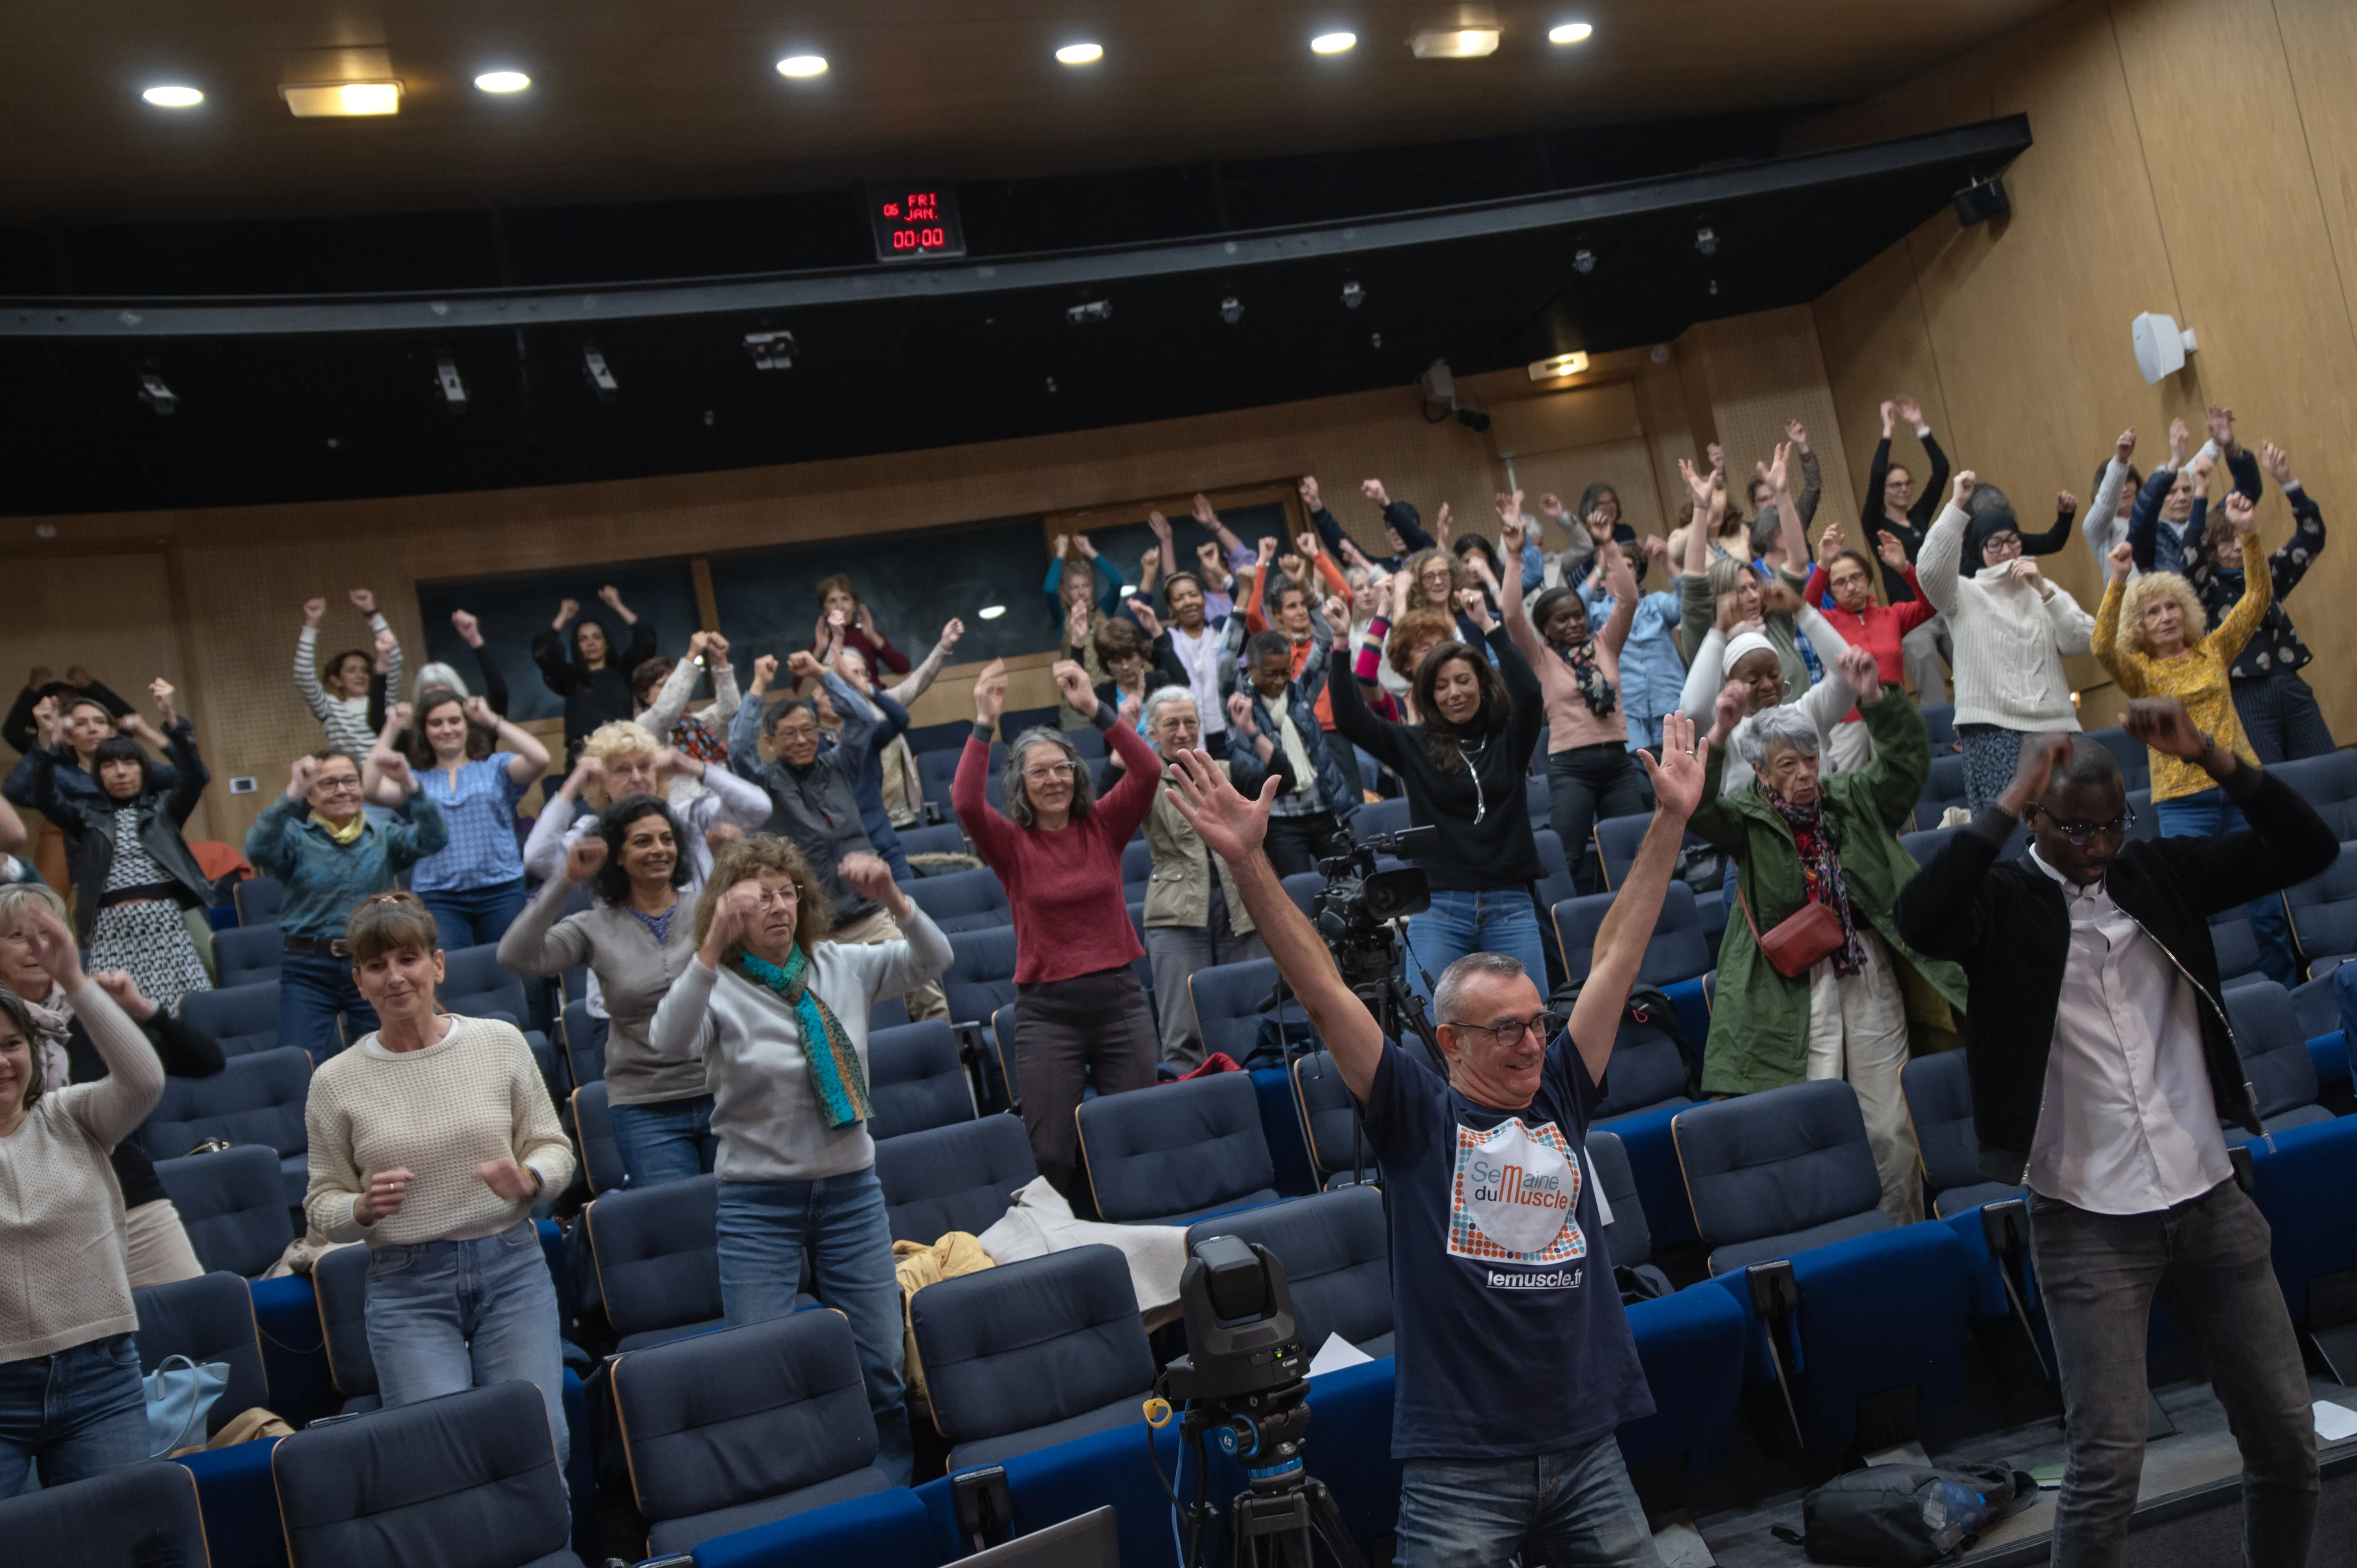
(835, 1066)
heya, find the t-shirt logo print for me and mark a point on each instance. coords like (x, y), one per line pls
(1515, 1197)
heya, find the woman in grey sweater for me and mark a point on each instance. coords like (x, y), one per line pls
(636, 936)
(778, 1016)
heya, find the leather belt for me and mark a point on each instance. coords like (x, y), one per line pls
(322, 947)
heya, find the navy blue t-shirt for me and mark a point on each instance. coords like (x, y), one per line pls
(1509, 1332)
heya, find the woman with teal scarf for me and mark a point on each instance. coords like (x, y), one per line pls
(778, 1016)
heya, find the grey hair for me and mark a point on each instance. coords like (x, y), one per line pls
(13, 1010)
(1772, 727)
(1010, 784)
(1157, 697)
(16, 895)
(1452, 979)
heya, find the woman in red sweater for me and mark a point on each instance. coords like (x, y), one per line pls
(1058, 851)
(1878, 629)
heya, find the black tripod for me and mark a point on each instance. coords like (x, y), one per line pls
(1283, 1503)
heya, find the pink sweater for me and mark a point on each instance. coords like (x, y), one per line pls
(1570, 721)
(1065, 886)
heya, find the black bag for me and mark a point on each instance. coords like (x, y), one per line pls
(1648, 1014)
(1904, 1516)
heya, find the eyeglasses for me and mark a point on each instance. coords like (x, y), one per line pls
(2081, 835)
(337, 786)
(1047, 770)
(1541, 1027)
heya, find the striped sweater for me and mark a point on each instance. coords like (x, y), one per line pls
(344, 719)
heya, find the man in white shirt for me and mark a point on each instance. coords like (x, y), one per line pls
(2102, 1062)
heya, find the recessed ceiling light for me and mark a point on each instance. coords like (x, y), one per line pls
(173, 97)
(1571, 33)
(1454, 43)
(503, 81)
(313, 100)
(1560, 366)
(1333, 43)
(803, 65)
(1080, 54)
(991, 612)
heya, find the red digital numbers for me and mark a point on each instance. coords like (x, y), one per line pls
(911, 224)
(919, 239)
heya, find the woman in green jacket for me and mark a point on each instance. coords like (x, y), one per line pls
(1799, 838)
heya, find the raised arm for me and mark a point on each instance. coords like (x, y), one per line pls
(671, 697)
(2096, 526)
(921, 679)
(527, 760)
(543, 939)
(1940, 563)
(1628, 926)
(2126, 668)
(111, 1109)
(495, 681)
(2242, 622)
(306, 659)
(2296, 555)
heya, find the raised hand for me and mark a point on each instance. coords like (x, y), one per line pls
(2201, 470)
(51, 721)
(611, 597)
(1076, 624)
(765, 669)
(990, 692)
(1440, 524)
(1718, 456)
(1890, 417)
(1512, 531)
(1728, 709)
(1910, 411)
(2065, 504)
(1063, 545)
(385, 645)
(867, 876)
(39, 678)
(2040, 755)
(1208, 552)
(1829, 545)
(1859, 669)
(715, 650)
(1966, 482)
(161, 690)
(1337, 617)
(2124, 447)
(1072, 685)
(314, 611)
(1776, 594)
(730, 920)
(478, 711)
(1293, 567)
(2241, 513)
(1148, 621)
(392, 765)
(585, 859)
(2123, 560)
(1698, 482)
(1677, 778)
(803, 665)
(2222, 429)
(566, 610)
(1778, 473)
(1266, 549)
(364, 601)
(951, 629)
(301, 776)
(1373, 490)
(1310, 493)
(51, 945)
(1308, 544)
(1619, 578)
(2162, 724)
(2277, 462)
(1551, 506)
(1890, 551)
(1230, 825)
(119, 984)
(1797, 433)
(696, 643)
(1080, 542)
(1159, 524)
(1200, 508)
(2179, 438)
(469, 630)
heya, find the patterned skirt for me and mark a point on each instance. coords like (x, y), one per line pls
(149, 938)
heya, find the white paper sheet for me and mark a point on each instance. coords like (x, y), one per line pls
(2334, 1422)
(1336, 1354)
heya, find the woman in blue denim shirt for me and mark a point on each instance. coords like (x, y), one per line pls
(475, 766)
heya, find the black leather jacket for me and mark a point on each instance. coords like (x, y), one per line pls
(91, 822)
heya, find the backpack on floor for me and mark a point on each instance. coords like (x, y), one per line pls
(1904, 1516)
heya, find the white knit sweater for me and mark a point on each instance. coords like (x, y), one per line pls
(61, 1208)
(2009, 640)
(473, 1095)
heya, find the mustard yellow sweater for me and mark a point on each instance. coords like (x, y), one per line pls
(2197, 677)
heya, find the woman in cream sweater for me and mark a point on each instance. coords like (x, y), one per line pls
(2011, 630)
(70, 1399)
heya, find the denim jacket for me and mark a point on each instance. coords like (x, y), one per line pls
(1301, 703)
(1652, 671)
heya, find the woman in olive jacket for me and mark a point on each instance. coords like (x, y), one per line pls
(1194, 916)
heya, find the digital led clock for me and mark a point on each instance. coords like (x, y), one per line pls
(914, 218)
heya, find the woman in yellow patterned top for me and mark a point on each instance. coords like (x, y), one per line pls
(2148, 635)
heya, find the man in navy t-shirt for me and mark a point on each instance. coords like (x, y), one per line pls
(1514, 1362)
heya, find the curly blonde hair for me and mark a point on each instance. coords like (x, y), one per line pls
(762, 854)
(618, 737)
(2138, 598)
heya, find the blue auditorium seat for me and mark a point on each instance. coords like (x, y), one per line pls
(245, 954)
(1137, 870)
(593, 1134)
(2237, 947)
(2329, 783)
(1939, 722)
(1628, 1231)
(1032, 1353)
(1676, 950)
(2324, 914)
(949, 736)
(208, 1318)
(1336, 1249)
(1555, 883)
(1943, 786)
(2132, 756)
(1938, 1094)
(1925, 843)
(656, 1251)
(1014, 722)
(1376, 818)
(1178, 1151)
(257, 899)
(475, 985)
(1617, 839)
(469, 1481)
(2148, 820)
(1227, 997)
(962, 901)
(1330, 1119)
(585, 1044)
(144, 1513)
(917, 1079)
(999, 1058)
(254, 1099)
(233, 1203)
(241, 1019)
(339, 1281)
(2306, 1175)
(981, 976)
(943, 838)
(738, 1428)
(1303, 887)
(963, 1176)
(1776, 1172)
(2275, 1058)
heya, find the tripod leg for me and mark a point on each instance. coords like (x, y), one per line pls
(1325, 1518)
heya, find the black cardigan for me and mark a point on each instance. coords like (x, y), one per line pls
(592, 697)
(2008, 926)
(185, 1052)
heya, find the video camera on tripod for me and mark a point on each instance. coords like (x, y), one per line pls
(1356, 907)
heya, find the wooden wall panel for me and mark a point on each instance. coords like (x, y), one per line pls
(1627, 466)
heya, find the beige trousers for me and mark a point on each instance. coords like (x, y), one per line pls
(927, 1000)
(1858, 1031)
(156, 1247)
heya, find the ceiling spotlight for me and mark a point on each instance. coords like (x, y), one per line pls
(1583, 261)
(1555, 369)
(502, 81)
(772, 350)
(341, 100)
(1354, 295)
(1706, 240)
(1454, 43)
(803, 65)
(1438, 386)
(453, 388)
(1095, 310)
(156, 394)
(1080, 54)
(1232, 310)
(1332, 43)
(601, 378)
(173, 97)
(1571, 33)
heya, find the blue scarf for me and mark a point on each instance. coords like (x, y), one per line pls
(834, 1067)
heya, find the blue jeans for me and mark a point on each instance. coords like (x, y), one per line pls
(77, 1413)
(473, 916)
(1577, 1507)
(767, 1227)
(1497, 920)
(446, 1316)
(314, 991)
(669, 1140)
(2206, 815)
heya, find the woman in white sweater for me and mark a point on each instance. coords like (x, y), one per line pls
(429, 1141)
(70, 1398)
(797, 1167)
(2011, 627)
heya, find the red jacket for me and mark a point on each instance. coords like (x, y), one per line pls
(1876, 629)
